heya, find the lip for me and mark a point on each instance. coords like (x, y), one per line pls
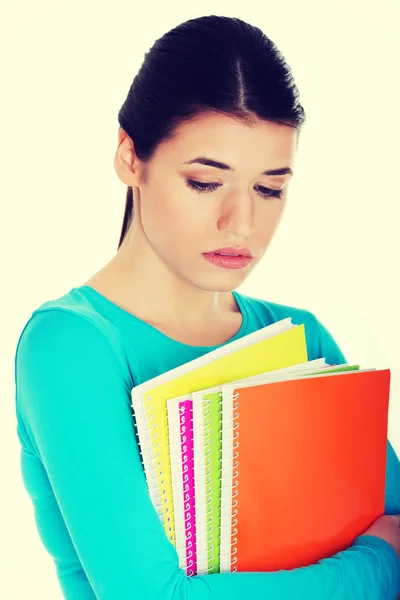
(236, 251)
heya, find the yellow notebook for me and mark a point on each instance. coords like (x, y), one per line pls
(281, 344)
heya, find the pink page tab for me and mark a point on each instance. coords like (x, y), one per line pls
(187, 447)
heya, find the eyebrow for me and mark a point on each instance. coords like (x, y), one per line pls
(209, 162)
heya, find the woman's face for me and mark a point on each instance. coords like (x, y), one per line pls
(240, 207)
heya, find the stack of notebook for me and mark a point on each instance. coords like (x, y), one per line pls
(258, 459)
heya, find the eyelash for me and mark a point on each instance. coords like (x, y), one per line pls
(209, 187)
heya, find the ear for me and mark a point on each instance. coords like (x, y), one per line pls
(126, 163)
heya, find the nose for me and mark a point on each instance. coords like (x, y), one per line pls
(237, 216)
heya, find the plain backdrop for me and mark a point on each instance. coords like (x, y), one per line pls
(66, 68)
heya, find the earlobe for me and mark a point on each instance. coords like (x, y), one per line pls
(122, 171)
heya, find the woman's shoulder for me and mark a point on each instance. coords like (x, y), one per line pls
(70, 319)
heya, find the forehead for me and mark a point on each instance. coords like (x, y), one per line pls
(233, 141)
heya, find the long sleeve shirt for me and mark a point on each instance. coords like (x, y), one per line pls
(76, 361)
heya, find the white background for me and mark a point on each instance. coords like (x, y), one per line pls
(66, 68)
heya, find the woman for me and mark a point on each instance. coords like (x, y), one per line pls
(206, 145)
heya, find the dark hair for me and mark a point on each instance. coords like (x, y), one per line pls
(208, 64)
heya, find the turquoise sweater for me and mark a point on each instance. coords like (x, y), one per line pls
(76, 362)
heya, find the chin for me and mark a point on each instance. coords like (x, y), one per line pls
(224, 282)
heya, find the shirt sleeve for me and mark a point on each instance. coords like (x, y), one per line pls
(74, 396)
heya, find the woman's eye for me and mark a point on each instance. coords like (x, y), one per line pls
(268, 192)
(200, 186)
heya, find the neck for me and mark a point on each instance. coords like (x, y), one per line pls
(140, 281)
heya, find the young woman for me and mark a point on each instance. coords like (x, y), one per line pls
(206, 146)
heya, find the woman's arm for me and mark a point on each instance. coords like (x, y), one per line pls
(74, 397)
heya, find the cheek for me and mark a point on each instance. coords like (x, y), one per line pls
(173, 222)
(157, 222)
(268, 219)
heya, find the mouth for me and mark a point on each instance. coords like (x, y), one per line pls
(243, 252)
(229, 260)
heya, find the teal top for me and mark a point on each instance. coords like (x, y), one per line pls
(76, 362)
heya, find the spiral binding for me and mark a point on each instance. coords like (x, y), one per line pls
(145, 450)
(146, 435)
(208, 494)
(191, 550)
(204, 413)
(235, 484)
(209, 528)
(189, 517)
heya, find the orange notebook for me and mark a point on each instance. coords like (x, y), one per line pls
(303, 468)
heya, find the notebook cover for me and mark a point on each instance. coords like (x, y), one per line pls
(311, 467)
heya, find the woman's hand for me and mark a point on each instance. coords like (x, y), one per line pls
(387, 527)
